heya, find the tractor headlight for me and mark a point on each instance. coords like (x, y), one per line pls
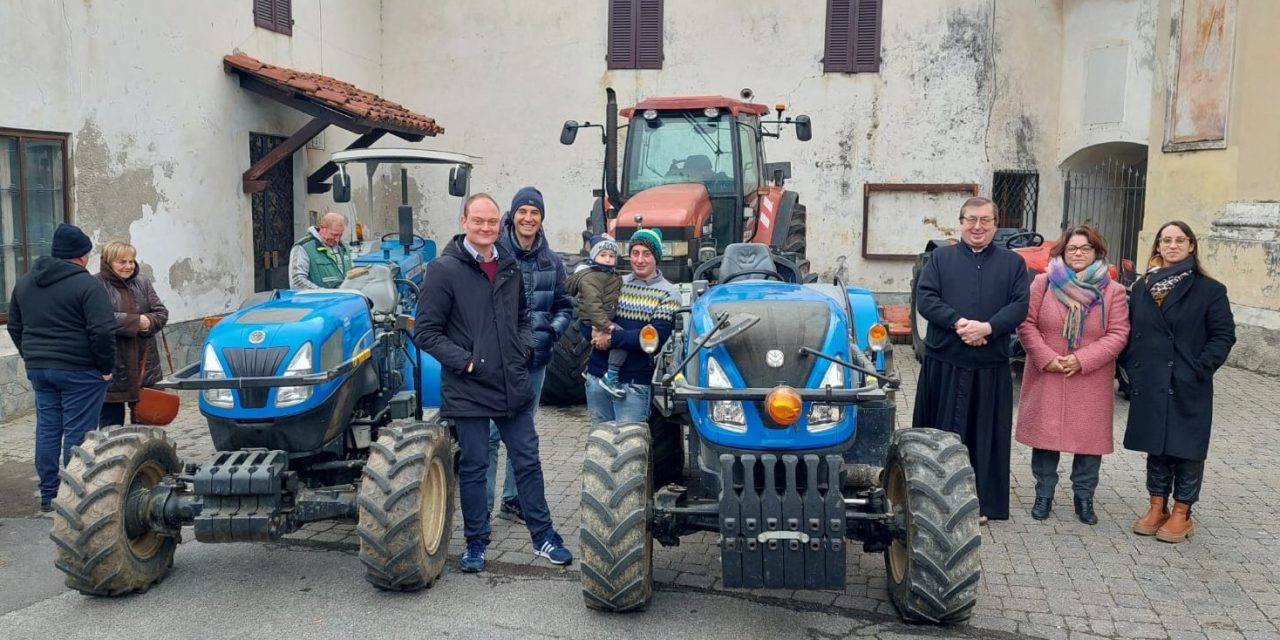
(212, 369)
(300, 365)
(825, 416)
(725, 413)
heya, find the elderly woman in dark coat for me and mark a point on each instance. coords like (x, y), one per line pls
(139, 317)
(1181, 331)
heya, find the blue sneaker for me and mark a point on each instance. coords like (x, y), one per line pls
(473, 559)
(612, 385)
(552, 548)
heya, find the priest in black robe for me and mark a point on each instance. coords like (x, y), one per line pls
(974, 295)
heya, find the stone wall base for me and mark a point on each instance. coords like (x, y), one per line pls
(17, 399)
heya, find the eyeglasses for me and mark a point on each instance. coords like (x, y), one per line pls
(1084, 248)
(985, 221)
(1180, 241)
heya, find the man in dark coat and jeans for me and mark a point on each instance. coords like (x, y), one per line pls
(473, 317)
(65, 329)
(974, 295)
(550, 312)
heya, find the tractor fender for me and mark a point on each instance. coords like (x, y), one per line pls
(782, 219)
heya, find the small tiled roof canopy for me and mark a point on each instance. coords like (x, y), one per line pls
(360, 105)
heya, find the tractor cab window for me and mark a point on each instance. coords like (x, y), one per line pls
(747, 141)
(680, 147)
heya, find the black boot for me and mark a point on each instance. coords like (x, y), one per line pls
(1084, 511)
(1042, 508)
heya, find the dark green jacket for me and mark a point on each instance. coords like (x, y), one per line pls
(326, 267)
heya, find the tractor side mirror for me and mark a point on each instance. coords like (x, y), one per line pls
(342, 186)
(459, 181)
(569, 133)
(804, 128)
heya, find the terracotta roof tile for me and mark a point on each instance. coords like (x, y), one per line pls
(337, 95)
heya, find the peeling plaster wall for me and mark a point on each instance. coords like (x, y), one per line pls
(1230, 196)
(159, 133)
(947, 105)
(1092, 29)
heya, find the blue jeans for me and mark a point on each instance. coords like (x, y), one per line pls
(602, 407)
(536, 378)
(68, 404)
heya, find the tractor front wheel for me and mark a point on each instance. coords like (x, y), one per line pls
(932, 563)
(106, 543)
(406, 507)
(617, 504)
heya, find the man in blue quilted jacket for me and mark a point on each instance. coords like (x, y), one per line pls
(550, 312)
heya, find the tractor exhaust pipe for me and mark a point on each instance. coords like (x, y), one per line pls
(611, 148)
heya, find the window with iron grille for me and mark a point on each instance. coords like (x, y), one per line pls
(33, 201)
(635, 34)
(853, 36)
(274, 15)
(1016, 192)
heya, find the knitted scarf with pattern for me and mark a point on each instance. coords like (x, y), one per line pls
(1162, 280)
(1078, 292)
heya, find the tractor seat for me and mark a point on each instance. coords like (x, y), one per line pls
(746, 256)
(377, 285)
(698, 166)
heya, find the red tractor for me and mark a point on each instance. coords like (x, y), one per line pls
(694, 168)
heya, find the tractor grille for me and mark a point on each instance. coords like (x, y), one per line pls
(785, 325)
(253, 363)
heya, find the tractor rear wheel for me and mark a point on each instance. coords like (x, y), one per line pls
(932, 564)
(617, 504)
(797, 241)
(107, 545)
(564, 385)
(406, 507)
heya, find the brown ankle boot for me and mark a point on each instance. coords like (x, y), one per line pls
(1152, 520)
(1179, 526)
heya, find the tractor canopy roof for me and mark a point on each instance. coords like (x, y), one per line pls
(692, 103)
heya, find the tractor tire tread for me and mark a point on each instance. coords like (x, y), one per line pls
(940, 582)
(391, 522)
(616, 543)
(91, 546)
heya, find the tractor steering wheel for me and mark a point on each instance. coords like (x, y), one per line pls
(755, 272)
(413, 244)
(1023, 240)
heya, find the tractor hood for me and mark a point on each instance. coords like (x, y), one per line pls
(669, 206)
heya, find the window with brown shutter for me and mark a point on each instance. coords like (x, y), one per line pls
(853, 36)
(635, 34)
(274, 15)
(34, 199)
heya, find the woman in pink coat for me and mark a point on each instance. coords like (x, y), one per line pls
(1077, 324)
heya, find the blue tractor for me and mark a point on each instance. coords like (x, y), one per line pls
(315, 402)
(774, 427)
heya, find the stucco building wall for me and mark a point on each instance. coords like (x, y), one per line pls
(1230, 196)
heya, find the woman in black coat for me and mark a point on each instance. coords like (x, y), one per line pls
(139, 318)
(1180, 331)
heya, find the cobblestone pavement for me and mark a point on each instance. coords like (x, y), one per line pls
(1053, 579)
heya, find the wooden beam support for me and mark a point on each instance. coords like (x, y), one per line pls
(316, 181)
(253, 182)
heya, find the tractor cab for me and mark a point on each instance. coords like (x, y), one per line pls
(693, 167)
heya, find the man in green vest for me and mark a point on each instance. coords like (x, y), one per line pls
(320, 260)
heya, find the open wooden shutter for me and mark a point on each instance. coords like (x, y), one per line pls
(853, 36)
(635, 34)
